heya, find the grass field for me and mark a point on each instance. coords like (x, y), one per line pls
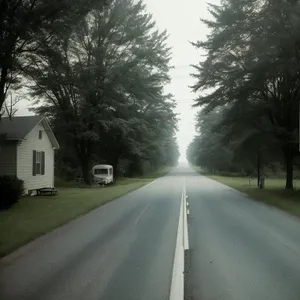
(35, 216)
(274, 193)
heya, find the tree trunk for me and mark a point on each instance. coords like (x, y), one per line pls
(85, 163)
(289, 162)
(115, 165)
(3, 79)
(258, 168)
(86, 172)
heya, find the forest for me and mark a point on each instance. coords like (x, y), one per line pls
(97, 69)
(248, 89)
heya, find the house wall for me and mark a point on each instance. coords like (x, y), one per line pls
(8, 158)
(25, 159)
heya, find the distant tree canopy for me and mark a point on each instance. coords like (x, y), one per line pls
(97, 69)
(249, 87)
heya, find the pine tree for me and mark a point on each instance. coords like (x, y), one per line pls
(252, 56)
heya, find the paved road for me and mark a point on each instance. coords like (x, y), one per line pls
(125, 249)
(239, 249)
(121, 251)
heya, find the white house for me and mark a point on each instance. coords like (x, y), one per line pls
(27, 146)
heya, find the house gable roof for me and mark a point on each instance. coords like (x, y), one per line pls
(18, 127)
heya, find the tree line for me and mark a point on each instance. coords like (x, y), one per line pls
(249, 88)
(97, 69)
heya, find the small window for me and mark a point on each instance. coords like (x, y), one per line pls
(40, 134)
(38, 163)
(100, 171)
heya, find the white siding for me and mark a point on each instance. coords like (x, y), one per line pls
(8, 158)
(25, 160)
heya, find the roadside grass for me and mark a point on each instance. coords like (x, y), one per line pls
(32, 217)
(274, 193)
(120, 181)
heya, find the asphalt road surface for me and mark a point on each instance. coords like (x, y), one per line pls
(239, 249)
(121, 251)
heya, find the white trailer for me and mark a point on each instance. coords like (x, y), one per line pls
(103, 174)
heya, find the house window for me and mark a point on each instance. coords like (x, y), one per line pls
(38, 163)
(40, 134)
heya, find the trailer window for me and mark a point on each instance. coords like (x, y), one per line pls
(101, 171)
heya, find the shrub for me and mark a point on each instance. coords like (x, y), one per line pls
(11, 190)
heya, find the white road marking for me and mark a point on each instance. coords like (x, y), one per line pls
(182, 243)
(185, 223)
(141, 214)
(177, 283)
(149, 183)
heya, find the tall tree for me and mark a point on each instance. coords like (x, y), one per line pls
(24, 24)
(103, 79)
(253, 55)
(229, 140)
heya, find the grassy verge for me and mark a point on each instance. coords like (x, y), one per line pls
(35, 216)
(274, 193)
(120, 181)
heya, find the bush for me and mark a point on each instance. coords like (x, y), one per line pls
(11, 190)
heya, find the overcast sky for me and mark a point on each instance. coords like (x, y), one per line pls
(182, 21)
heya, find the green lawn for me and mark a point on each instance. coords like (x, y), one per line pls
(274, 193)
(34, 216)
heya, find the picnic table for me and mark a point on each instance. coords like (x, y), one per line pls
(50, 191)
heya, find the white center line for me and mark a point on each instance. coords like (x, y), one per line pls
(182, 244)
(185, 212)
(177, 282)
(141, 214)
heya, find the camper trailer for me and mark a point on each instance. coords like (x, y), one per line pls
(103, 174)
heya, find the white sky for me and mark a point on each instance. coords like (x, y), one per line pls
(182, 21)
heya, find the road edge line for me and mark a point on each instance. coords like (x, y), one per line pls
(182, 244)
(149, 183)
(177, 282)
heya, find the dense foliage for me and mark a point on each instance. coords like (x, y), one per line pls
(98, 73)
(24, 25)
(97, 69)
(249, 84)
(11, 190)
